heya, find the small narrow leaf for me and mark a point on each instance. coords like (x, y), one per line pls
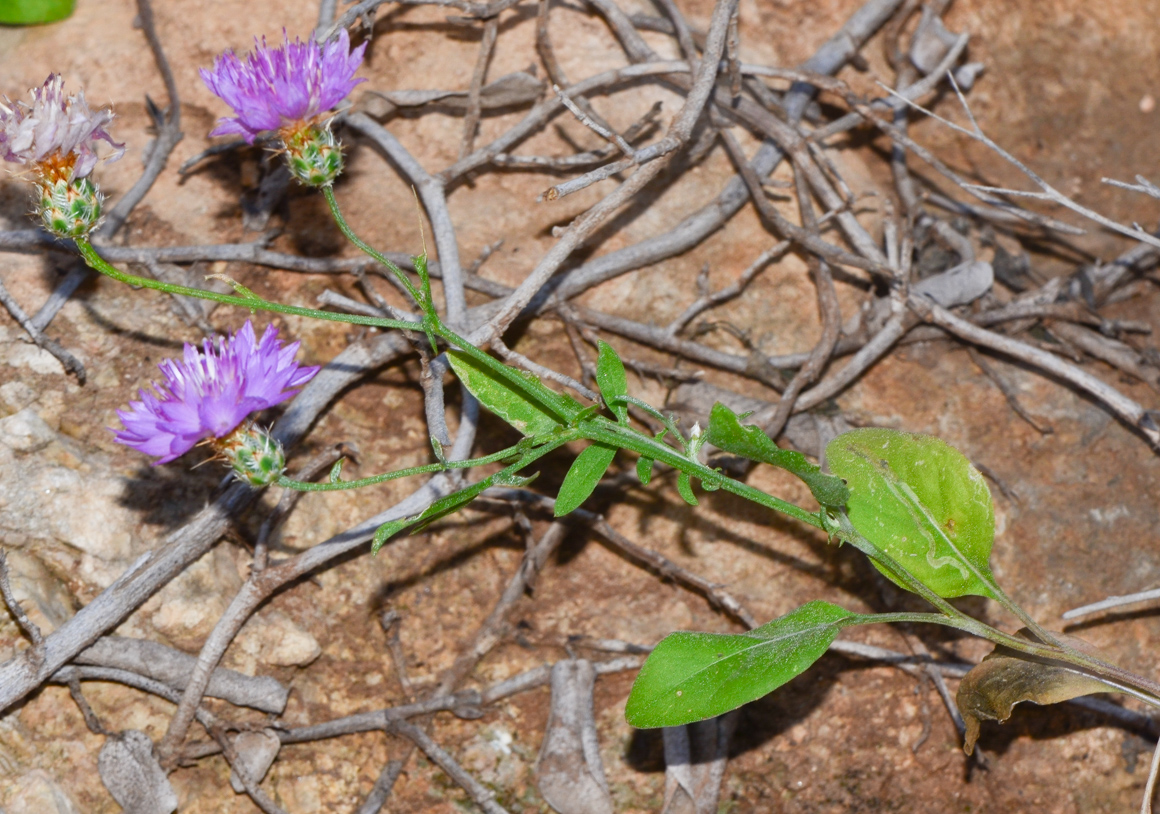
(388, 530)
(644, 469)
(919, 500)
(726, 432)
(236, 286)
(518, 407)
(1008, 677)
(585, 472)
(612, 381)
(336, 471)
(693, 676)
(437, 448)
(685, 488)
(455, 501)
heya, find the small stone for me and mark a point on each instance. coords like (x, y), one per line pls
(43, 597)
(15, 396)
(274, 639)
(25, 431)
(21, 354)
(1147, 103)
(37, 793)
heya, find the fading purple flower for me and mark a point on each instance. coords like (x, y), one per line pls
(57, 134)
(280, 88)
(210, 393)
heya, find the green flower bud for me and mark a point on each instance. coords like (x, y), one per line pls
(314, 155)
(69, 209)
(255, 456)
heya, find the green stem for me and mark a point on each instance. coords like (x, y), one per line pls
(614, 434)
(1115, 677)
(566, 409)
(308, 486)
(1041, 633)
(366, 248)
(98, 263)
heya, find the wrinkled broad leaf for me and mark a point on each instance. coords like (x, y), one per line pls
(569, 772)
(693, 676)
(134, 778)
(919, 499)
(727, 433)
(585, 472)
(256, 752)
(526, 408)
(612, 381)
(1007, 677)
(695, 758)
(28, 12)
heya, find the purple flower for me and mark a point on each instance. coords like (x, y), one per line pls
(209, 394)
(278, 87)
(57, 133)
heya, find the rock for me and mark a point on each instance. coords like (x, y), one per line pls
(133, 776)
(16, 395)
(192, 604)
(22, 354)
(44, 598)
(37, 793)
(25, 431)
(274, 639)
(256, 751)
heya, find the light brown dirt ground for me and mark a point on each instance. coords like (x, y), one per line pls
(1063, 90)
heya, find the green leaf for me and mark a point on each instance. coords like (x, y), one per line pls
(336, 471)
(585, 472)
(919, 500)
(685, 488)
(612, 381)
(727, 433)
(455, 501)
(693, 676)
(518, 407)
(24, 12)
(644, 469)
(388, 530)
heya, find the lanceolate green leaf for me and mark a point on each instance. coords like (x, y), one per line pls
(612, 381)
(919, 499)
(388, 530)
(520, 406)
(19, 12)
(693, 676)
(585, 472)
(727, 433)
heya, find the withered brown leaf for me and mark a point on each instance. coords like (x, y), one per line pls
(1007, 677)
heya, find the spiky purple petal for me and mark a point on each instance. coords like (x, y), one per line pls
(210, 392)
(274, 87)
(57, 126)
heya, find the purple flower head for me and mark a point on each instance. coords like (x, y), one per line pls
(57, 133)
(276, 87)
(209, 394)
